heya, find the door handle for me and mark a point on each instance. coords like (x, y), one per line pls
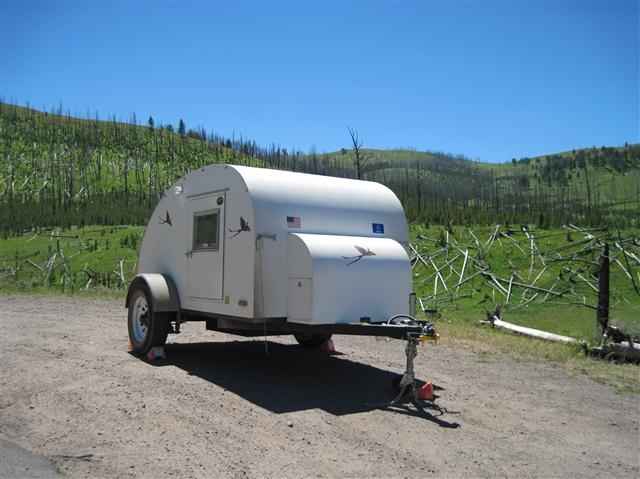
(188, 254)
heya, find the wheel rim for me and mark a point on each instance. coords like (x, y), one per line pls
(140, 319)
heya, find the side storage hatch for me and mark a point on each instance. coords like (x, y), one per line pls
(340, 279)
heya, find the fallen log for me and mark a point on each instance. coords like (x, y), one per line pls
(59, 235)
(535, 333)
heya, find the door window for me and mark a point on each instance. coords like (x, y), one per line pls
(205, 230)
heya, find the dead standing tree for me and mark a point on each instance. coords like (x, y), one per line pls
(603, 290)
(361, 159)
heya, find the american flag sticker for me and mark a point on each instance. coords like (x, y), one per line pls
(293, 222)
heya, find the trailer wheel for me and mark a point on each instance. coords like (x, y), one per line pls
(146, 328)
(311, 340)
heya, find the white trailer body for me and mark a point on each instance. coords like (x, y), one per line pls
(253, 244)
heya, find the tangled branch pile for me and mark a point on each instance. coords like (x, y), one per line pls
(517, 267)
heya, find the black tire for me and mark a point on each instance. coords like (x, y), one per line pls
(146, 327)
(311, 340)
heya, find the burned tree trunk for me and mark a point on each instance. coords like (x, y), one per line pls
(603, 290)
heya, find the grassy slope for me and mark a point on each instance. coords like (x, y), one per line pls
(70, 260)
(85, 258)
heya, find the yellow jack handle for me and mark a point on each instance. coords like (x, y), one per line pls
(430, 337)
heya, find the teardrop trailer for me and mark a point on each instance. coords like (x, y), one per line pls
(259, 252)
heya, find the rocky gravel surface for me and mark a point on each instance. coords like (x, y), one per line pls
(219, 406)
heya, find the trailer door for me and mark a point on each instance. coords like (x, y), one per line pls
(205, 258)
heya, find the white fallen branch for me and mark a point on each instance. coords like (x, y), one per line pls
(631, 255)
(586, 281)
(425, 309)
(33, 264)
(495, 282)
(475, 238)
(515, 243)
(493, 237)
(66, 259)
(464, 266)
(509, 290)
(468, 278)
(524, 303)
(51, 261)
(542, 271)
(438, 270)
(544, 300)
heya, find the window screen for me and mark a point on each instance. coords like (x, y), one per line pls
(205, 230)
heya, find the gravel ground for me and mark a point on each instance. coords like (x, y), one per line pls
(219, 407)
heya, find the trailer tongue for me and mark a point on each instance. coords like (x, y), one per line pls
(406, 327)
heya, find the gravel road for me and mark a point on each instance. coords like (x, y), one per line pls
(219, 407)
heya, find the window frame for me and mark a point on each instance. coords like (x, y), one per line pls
(215, 212)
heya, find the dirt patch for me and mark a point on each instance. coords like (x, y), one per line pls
(218, 406)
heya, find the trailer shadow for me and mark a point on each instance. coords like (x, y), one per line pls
(290, 378)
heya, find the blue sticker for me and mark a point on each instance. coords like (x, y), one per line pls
(378, 228)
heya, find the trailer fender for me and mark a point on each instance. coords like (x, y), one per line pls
(164, 295)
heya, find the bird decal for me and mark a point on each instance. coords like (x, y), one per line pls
(363, 252)
(166, 220)
(244, 226)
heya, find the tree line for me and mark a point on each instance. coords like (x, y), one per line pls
(60, 170)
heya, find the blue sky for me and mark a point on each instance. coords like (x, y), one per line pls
(489, 80)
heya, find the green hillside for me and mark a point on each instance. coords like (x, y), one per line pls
(57, 170)
(595, 186)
